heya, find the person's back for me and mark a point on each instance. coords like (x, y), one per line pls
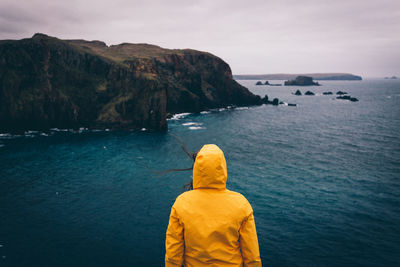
(210, 225)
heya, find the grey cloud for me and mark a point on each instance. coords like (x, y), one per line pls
(253, 36)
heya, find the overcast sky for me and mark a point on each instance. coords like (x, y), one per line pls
(254, 37)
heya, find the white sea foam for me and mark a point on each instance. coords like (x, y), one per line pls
(143, 129)
(58, 130)
(196, 128)
(205, 112)
(191, 123)
(179, 116)
(9, 136)
(242, 108)
(31, 132)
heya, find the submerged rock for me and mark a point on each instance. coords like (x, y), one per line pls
(327, 93)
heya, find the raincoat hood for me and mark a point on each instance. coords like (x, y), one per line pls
(209, 170)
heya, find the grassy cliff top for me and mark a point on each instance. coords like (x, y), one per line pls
(118, 53)
(129, 51)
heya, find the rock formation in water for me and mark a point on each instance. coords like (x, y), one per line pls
(347, 97)
(301, 81)
(46, 82)
(341, 93)
(315, 76)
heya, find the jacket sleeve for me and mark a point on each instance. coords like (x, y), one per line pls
(249, 242)
(174, 242)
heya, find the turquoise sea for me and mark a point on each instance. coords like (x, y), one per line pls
(323, 179)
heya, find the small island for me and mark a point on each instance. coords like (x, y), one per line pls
(301, 81)
(286, 76)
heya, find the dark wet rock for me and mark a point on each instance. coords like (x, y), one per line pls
(48, 83)
(309, 93)
(298, 92)
(292, 105)
(275, 84)
(347, 97)
(281, 102)
(266, 83)
(341, 93)
(301, 81)
(265, 99)
(327, 93)
(259, 83)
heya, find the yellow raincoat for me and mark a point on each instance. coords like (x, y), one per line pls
(211, 225)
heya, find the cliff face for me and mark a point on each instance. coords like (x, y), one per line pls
(46, 82)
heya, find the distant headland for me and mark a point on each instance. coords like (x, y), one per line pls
(284, 76)
(46, 82)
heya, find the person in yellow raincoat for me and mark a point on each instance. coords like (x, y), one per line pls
(211, 225)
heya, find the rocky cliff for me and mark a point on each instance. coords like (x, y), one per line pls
(46, 82)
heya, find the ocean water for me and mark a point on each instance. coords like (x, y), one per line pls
(323, 179)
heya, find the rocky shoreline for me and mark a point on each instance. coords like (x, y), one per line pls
(46, 82)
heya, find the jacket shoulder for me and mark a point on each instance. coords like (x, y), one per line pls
(240, 200)
(182, 197)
